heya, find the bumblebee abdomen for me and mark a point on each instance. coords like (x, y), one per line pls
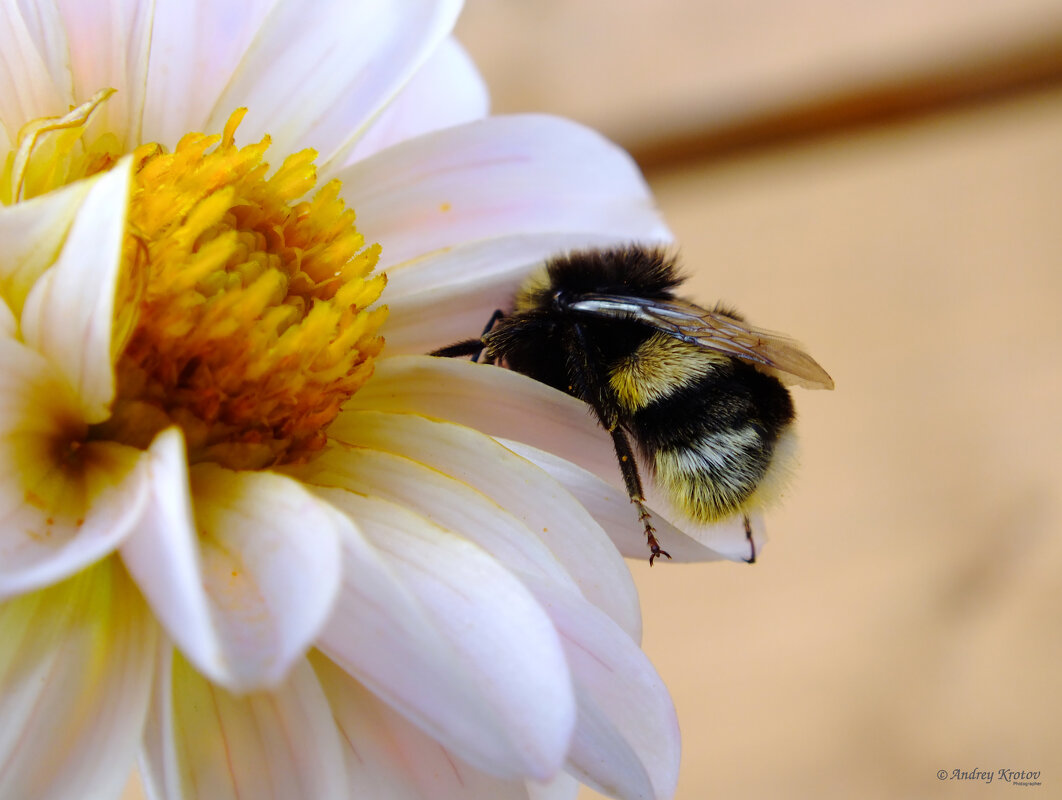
(714, 476)
(708, 425)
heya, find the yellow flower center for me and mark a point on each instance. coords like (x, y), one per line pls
(242, 311)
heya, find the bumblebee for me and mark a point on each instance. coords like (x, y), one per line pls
(700, 392)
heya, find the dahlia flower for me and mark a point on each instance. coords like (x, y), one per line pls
(241, 540)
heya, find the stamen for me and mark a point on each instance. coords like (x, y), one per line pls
(247, 320)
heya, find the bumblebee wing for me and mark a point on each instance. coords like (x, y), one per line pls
(713, 331)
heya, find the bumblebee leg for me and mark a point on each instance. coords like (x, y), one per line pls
(470, 347)
(633, 481)
(497, 315)
(588, 384)
(752, 545)
(464, 348)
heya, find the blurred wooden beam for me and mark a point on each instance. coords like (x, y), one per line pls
(992, 76)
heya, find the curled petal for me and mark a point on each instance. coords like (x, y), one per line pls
(512, 406)
(64, 502)
(162, 555)
(271, 567)
(545, 508)
(76, 661)
(445, 635)
(31, 235)
(245, 579)
(204, 742)
(69, 313)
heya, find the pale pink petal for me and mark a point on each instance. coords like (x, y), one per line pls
(316, 73)
(610, 506)
(204, 742)
(69, 313)
(451, 294)
(447, 90)
(388, 757)
(108, 46)
(441, 632)
(509, 405)
(196, 45)
(526, 492)
(271, 568)
(64, 502)
(626, 741)
(160, 771)
(31, 235)
(562, 787)
(244, 578)
(497, 177)
(449, 503)
(76, 662)
(32, 81)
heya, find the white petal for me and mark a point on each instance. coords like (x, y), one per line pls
(388, 757)
(159, 768)
(162, 555)
(509, 405)
(69, 313)
(64, 502)
(318, 72)
(32, 83)
(626, 741)
(562, 787)
(612, 509)
(204, 742)
(449, 503)
(75, 677)
(8, 325)
(445, 635)
(450, 295)
(196, 45)
(447, 90)
(271, 567)
(108, 45)
(31, 233)
(565, 527)
(497, 177)
(243, 581)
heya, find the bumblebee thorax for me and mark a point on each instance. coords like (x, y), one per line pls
(535, 293)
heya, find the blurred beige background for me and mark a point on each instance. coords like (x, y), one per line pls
(883, 181)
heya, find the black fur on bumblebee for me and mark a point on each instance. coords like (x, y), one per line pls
(699, 391)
